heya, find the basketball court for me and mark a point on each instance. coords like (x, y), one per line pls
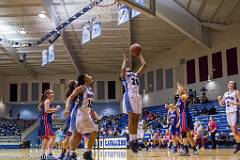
(124, 154)
(46, 43)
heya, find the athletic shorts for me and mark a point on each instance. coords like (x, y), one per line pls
(174, 130)
(84, 122)
(132, 103)
(233, 118)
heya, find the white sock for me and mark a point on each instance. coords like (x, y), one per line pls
(43, 151)
(131, 137)
(49, 151)
(71, 152)
(135, 137)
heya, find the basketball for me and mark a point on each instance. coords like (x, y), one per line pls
(136, 49)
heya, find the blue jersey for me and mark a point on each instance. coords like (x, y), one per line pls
(46, 116)
(173, 117)
(45, 123)
(181, 106)
(131, 83)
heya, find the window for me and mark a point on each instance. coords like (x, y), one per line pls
(45, 86)
(232, 65)
(159, 79)
(13, 92)
(217, 65)
(100, 90)
(24, 92)
(191, 77)
(111, 90)
(203, 68)
(150, 81)
(169, 78)
(35, 92)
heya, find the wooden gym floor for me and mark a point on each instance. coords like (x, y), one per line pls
(123, 154)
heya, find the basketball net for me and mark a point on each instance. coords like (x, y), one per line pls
(104, 10)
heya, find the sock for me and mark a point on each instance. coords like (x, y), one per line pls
(194, 148)
(43, 152)
(89, 150)
(71, 153)
(64, 151)
(135, 137)
(49, 151)
(131, 137)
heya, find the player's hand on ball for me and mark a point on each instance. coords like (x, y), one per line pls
(219, 98)
(58, 107)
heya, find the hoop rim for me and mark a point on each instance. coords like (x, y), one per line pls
(105, 5)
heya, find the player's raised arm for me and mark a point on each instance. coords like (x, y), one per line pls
(124, 66)
(143, 66)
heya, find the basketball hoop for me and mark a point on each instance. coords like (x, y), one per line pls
(105, 3)
(104, 9)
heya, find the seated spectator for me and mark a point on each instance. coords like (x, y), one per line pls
(191, 95)
(205, 110)
(197, 113)
(200, 134)
(196, 100)
(212, 111)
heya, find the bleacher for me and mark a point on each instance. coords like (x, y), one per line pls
(10, 132)
(223, 136)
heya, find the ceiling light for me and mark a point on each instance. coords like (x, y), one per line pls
(22, 31)
(42, 15)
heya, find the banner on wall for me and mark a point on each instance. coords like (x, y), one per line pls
(96, 28)
(136, 13)
(86, 32)
(123, 14)
(110, 143)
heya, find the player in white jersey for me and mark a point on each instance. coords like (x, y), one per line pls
(231, 99)
(132, 100)
(81, 119)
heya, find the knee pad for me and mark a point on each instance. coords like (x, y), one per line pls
(184, 135)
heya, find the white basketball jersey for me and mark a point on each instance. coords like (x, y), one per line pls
(131, 83)
(86, 99)
(230, 97)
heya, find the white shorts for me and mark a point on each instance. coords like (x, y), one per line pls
(233, 118)
(132, 103)
(84, 122)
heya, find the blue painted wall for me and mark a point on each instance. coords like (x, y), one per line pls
(30, 111)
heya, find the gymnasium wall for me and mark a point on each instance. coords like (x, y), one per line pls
(7, 80)
(30, 111)
(220, 41)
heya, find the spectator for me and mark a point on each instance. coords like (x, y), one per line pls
(10, 113)
(203, 97)
(18, 115)
(212, 111)
(204, 110)
(212, 128)
(191, 95)
(198, 133)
